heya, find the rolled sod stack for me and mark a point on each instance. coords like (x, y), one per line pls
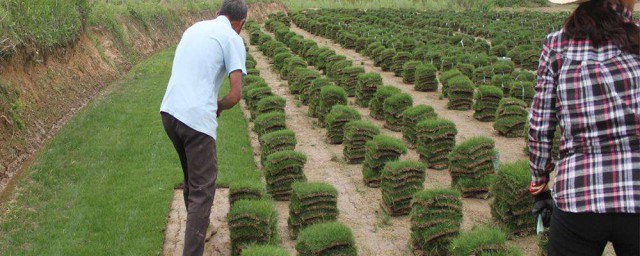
(269, 122)
(393, 107)
(425, 80)
(503, 82)
(301, 79)
(400, 180)
(276, 141)
(471, 165)
(436, 217)
(356, 135)
(376, 105)
(436, 139)
(487, 98)
(255, 95)
(311, 203)
(523, 91)
(482, 75)
(446, 76)
(336, 69)
(366, 88)
(270, 104)
(460, 92)
(335, 121)
(252, 222)
(314, 95)
(409, 71)
(511, 207)
(482, 241)
(324, 239)
(511, 117)
(246, 189)
(349, 79)
(282, 169)
(398, 62)
(380, 150)
(385, 59)
(264, 250)
(330, 96)
(410, 119)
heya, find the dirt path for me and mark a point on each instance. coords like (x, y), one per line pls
(219, 243)
(511, 148)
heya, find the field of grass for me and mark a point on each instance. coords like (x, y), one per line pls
(103, 186)
(417, 4)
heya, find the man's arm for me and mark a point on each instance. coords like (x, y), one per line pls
(234, 95)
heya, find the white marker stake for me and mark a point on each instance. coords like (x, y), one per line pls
(540, 227)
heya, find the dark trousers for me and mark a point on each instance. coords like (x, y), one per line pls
(586, 234)
(197, 152)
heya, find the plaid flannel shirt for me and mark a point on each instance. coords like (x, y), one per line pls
(594, 94)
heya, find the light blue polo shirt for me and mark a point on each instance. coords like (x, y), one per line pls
(207, 52)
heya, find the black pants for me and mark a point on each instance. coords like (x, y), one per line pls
(585, 234)
(197, 152)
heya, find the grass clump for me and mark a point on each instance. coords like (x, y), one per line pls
(356, 135)
(511, 207)
(393, 107)
(425, 79)
(311, 203)
(487, 98)
(252, 222)
(282, 169)
(335, 121)
(436, 139)
(400, 180)
(460, 92)
(436, 217)
(482, 241)
(246, 190)
(376, 105)
(471, 165)
(330, 96)
(380, 150)
(366, 88)
(264, 250)
(269, 122)
(411, 117)
(511, 118)
(323, 239)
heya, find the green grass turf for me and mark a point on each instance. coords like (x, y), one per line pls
(104, 184)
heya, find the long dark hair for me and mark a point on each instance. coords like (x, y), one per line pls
(596, 21)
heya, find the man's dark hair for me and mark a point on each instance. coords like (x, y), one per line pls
(234, 9)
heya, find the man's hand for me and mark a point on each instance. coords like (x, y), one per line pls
(235, 94)
(218, 112)
(543, 205)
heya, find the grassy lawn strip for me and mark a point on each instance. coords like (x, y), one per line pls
(103, 186)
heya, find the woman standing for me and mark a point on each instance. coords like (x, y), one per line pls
(589, 85)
